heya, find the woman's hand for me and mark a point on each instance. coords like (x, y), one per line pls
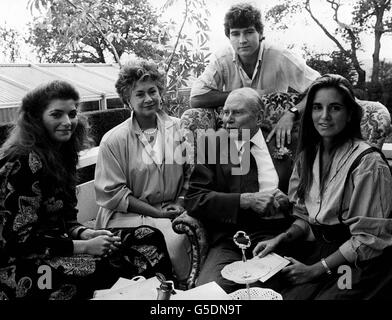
(172, 210)
(298, 272)
(91, 233)
(267, 246)
(102, 244)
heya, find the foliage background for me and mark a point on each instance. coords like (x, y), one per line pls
(69, 34)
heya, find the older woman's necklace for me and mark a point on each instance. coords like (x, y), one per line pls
(150, 131)
(150, 134)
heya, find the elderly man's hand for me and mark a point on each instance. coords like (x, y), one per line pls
(263, 202)
(282, 129)
(266, 203)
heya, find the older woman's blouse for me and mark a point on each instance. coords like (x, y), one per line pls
(128, 165)
(367, 202)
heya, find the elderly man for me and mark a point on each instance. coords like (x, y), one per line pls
(239, 187)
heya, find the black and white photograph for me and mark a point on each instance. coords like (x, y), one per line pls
(213, 153)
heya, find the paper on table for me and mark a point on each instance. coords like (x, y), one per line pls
(100, 293)
(273, 261)
(123, 282)
(120, 283)
(141, 290)
(208, 291)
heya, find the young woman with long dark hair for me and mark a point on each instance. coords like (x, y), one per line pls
(44, 251)
(340, 189)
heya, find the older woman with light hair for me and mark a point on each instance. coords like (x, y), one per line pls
(138, 179)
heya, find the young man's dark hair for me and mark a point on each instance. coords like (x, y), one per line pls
(243, 15)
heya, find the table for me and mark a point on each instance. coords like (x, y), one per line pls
(147, 290)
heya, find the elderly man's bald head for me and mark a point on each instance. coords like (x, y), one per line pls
(251, 98)
(242, 111)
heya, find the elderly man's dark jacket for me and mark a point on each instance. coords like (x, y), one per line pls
(214, 192)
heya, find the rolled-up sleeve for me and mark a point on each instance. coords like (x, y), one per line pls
(111, 186)
(210, 79)
(369, 210)
(298, 75)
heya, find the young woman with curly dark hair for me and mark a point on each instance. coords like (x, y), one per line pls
(44, 251)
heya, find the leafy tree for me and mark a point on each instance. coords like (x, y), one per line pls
(385, 96)
(374, 16)
(192, 55)
(188, 56)
(385, 70)
(9, 40)
(83, 30)
(335, 62)
(86, 30)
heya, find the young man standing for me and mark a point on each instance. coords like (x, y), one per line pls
(250, 61)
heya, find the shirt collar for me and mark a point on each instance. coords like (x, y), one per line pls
(257, 140)
(259, 57)
(163, 121)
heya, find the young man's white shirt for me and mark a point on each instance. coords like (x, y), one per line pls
(276, 70)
